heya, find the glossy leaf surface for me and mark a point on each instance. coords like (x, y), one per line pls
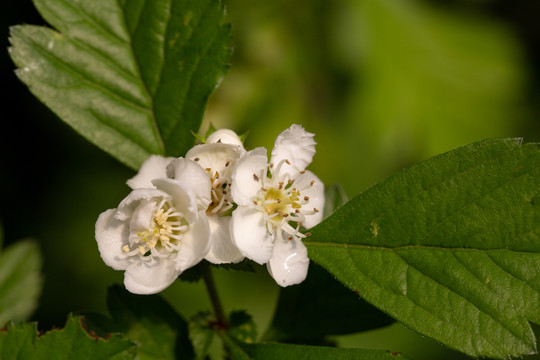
(449, 247)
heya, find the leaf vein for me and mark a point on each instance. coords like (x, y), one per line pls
(511, 274)
(95, 24)
(457, 326)
(55, 59)
(471, 203)
(467, 301)
(424, 190)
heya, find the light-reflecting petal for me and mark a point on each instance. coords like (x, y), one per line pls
(130, 202)
(192, 176)
(142, 216)
(217, 157)
(194, 245)
(182, 197)
(249, 233)
(150, 277)
(296, 145)
(315, 193)
(222, 250)
(289, 263)
(224, 136)
(247, 175)
(111, 236)
(154, 167)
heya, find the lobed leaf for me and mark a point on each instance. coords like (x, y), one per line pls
(131, 76)
(201, 334)
(20, 281)
(150, 321)
(449, 247)
(22, 341)
(241, 351)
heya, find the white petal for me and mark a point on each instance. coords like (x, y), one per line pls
(217, 157)
(182, 197)
(315, 193)
(296, 145)
(223, 250)
(195, 244)
(194, 177)
(111, 236)
(141, 219)
(249, 233)
(142, 216)
(130, 202)
(150, 277)
(153, 168)
(224, 136)
(289, 263)
(247, 175)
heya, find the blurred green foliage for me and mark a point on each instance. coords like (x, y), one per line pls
(383, 84)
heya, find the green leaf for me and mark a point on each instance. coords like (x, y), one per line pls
(449, 247)
(242, 327)
(22, 341)
(321, 306)
(201, 334)
(294, 352)
(20, 281)
(132, 76)
(334, 198)
(149, 321)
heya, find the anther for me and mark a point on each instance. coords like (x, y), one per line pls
(227, 163)
(271, 165)
(125, 248)
(316, 210)
(306, 198)
(308, 234)
(289, 181)
(303, 172)
(224, 192)
(255, 177)
(297, 211)
(196, 159)
(312, 182)
(285, 215)
(216, 175)
(289, 238)
(264, 189)
(278, 200)
(288, 162)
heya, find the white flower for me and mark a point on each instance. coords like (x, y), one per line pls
(157, 231)
(218, 157)
(274, 201)
(155, 167)
(224, 136)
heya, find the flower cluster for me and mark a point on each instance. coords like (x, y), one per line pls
(220, 203)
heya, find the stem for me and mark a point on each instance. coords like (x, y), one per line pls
(212, 293)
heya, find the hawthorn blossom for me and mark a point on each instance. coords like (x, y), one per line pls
(275, 200)
(159, 230)
(218, 157)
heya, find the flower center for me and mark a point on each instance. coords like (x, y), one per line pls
(221, 195)
(281, 201)
(164, 234)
